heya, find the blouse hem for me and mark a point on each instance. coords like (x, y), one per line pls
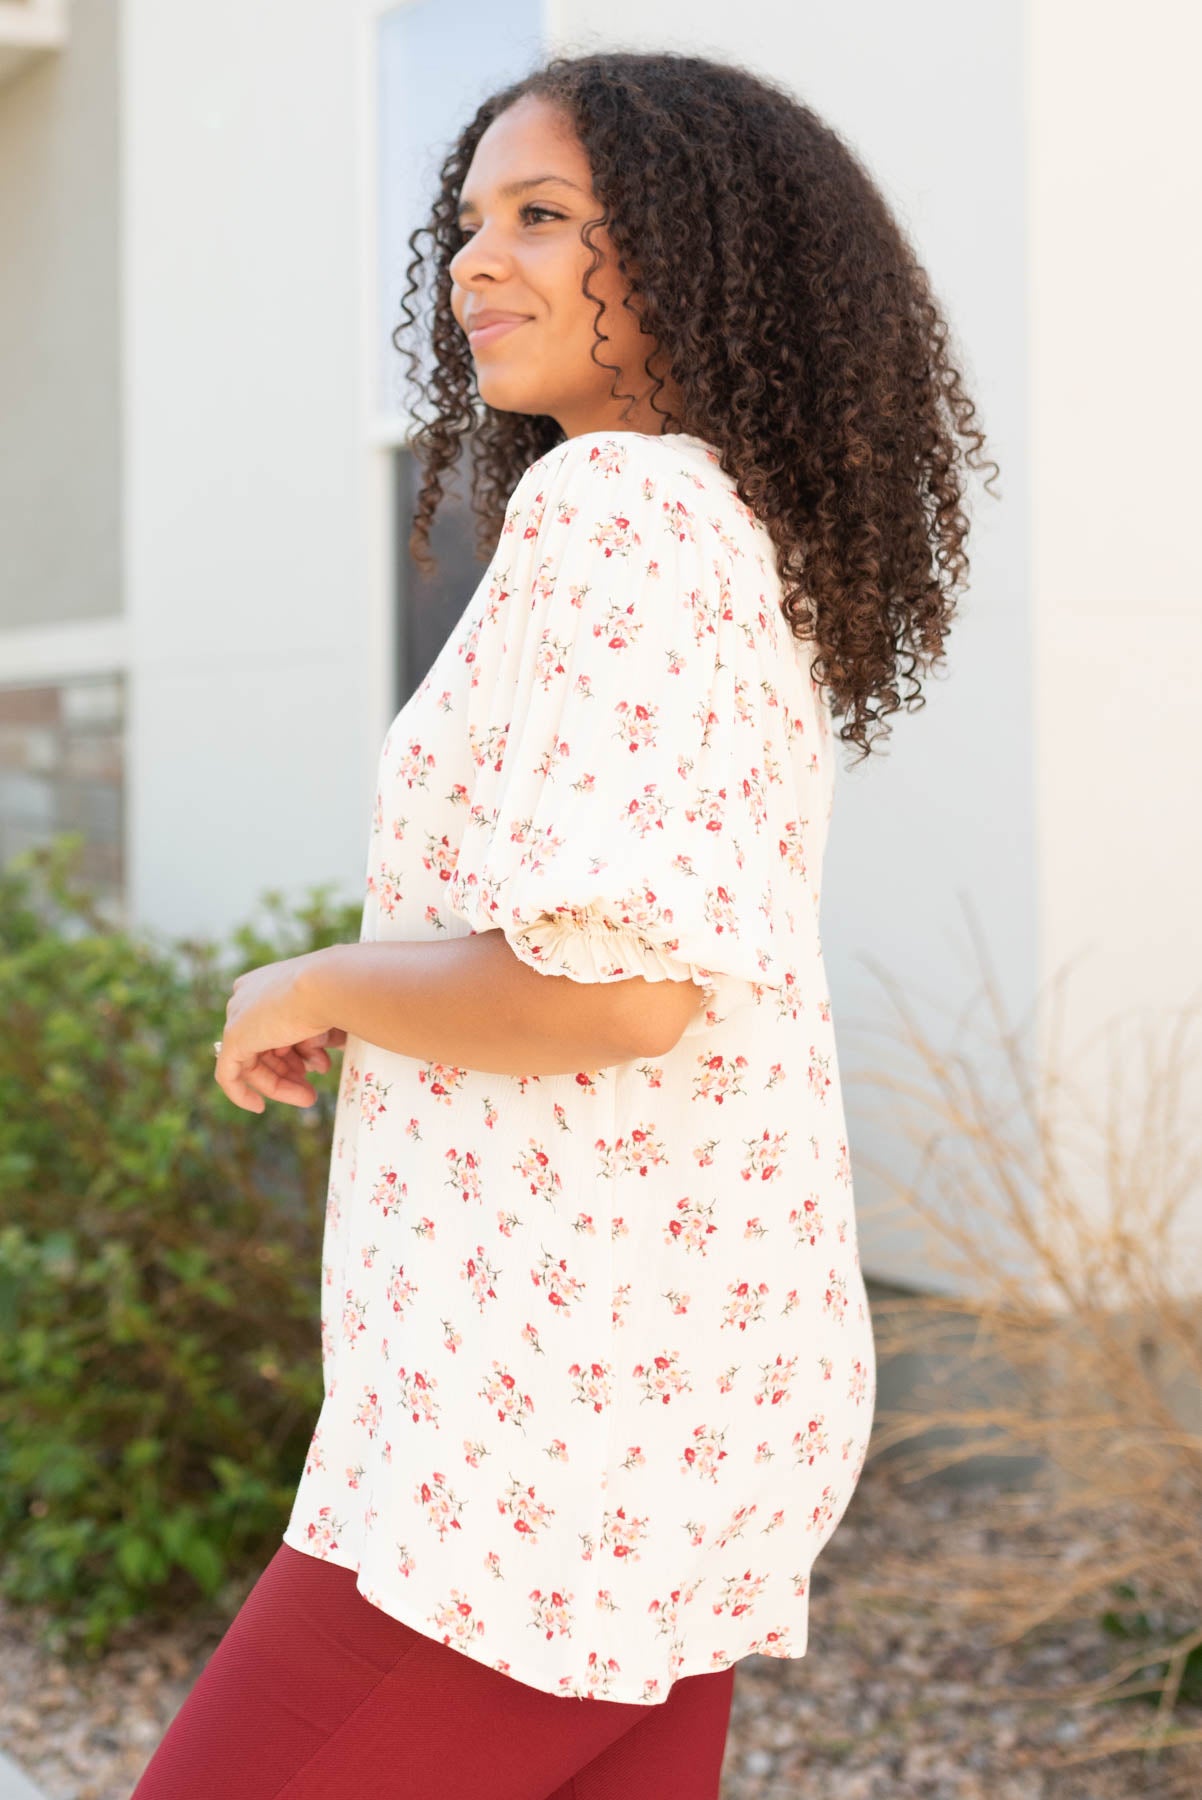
(417, 1623)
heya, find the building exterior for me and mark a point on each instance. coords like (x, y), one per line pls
(206, 621)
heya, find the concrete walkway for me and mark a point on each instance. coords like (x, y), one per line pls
(14, 1783)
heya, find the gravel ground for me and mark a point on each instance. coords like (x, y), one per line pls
(884, 1706)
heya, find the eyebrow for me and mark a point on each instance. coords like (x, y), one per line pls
(519, 187)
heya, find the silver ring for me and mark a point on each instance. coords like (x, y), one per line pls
(217, 1047)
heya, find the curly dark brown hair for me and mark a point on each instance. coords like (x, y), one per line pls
(798, 326)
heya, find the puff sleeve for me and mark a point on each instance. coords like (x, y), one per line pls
(633, 809)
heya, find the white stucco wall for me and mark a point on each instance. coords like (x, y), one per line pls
(60, 415)
(250, 486)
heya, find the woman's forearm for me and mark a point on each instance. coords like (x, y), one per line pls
(471, 1003)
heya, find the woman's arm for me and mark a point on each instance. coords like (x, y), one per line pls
(470, 1002)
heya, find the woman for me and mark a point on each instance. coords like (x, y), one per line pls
(599, 1371)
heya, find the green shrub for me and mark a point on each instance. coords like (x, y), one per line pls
(160, 1262)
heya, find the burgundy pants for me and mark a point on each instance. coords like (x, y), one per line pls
(315, 1694)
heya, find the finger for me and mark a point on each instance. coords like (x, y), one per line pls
(251, 1085)
(273, 1079)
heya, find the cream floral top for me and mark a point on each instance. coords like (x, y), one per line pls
(599, 1367)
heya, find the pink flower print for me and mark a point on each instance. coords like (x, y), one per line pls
(646, 810)
(738, 1519)
(678, 1302)
(480, 1276)
(535, 1165)
(440, 1504)
(764, 1156)
(352, 1075)
(740, 1593)
(661, 1378)
(552, 1612)
(352, 1317)
(529, 1514)
(399, 1291)
(388, 890)
(354, 1475)
(834, 1300)
(316, 1458)
(692, 1225)
(598, 1681)
(505, 1397)
(704, 1452)
(416, 1395)
(773, 1643)
(388, 1191)
(550, 661)
(369, 1412)
(321, 1533)
(440, 857)
(806, 1220)
(711, 813)
(703, 1154)
(442, 1079)
(464, 1177)
(817, 1078)
(746, 1304)
(615, 536)
(371, 1104)
(637, 724)
(754, 798)
(456, 1621)
(507, 1223)
(726, 1379)
(623, 1535)
(719, 1078)
(414, 767)
(557, 1450)
(679, 521)
(634, 1458)
(813, 1441)
(583, 1225)
(369, 1253)
(592, 1382)
(858, 1387)
(775, 1378)
(423, 1230)
(824, 1513)
(619, 628)
(561, 1289)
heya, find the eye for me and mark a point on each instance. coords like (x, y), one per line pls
(531, 206)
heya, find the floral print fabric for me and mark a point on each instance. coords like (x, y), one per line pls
(599, 1366)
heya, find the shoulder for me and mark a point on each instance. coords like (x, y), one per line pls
(674, 479)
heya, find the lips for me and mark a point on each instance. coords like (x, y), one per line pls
(491, 329)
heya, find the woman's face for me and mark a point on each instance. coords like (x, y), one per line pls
(523, 254)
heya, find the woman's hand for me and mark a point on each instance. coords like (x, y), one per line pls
(271, 1037)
